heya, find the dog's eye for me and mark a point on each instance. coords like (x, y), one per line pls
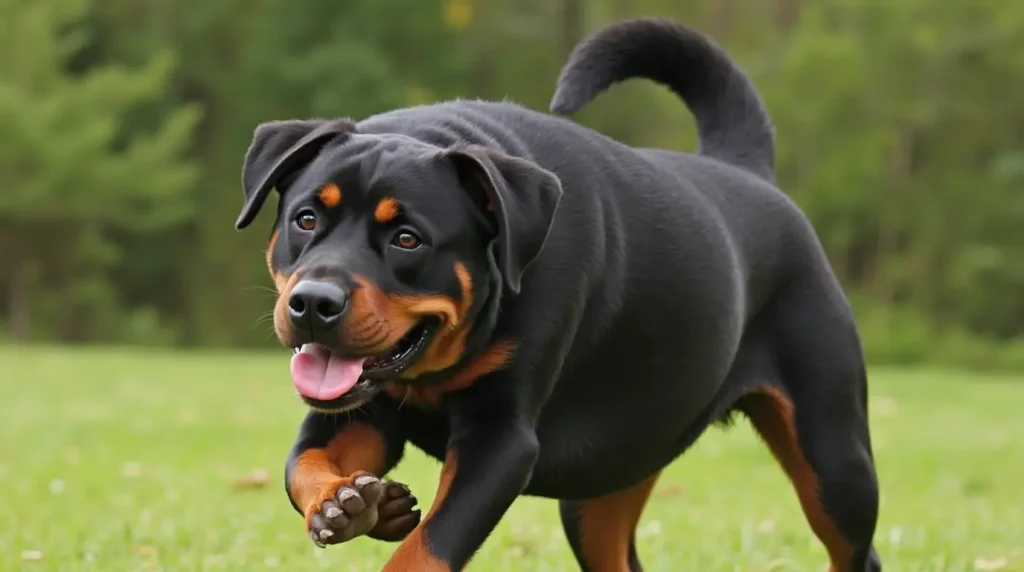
(406, 240)
(306, 220)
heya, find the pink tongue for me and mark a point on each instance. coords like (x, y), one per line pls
(319, 374)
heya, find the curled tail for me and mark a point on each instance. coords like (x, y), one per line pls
(732, 123)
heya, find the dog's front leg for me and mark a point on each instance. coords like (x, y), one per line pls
(333, 476)
(489, 460)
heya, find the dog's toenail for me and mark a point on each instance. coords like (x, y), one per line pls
(332, 512)
(325, 534)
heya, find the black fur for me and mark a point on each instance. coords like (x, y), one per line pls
(731, 119)
(669, 285)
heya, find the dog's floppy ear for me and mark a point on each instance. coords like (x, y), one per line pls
(521, 197)
(279, 148)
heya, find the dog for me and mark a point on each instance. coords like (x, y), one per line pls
(550, 312)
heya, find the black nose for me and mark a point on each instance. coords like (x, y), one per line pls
(317, 305)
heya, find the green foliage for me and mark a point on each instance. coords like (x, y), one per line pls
(125, 124)
(905, 152)
(902, 335)
(74, 171)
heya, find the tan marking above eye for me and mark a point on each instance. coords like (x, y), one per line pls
(330, 195)
(387, 210)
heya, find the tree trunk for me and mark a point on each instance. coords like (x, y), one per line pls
(484, 39)
(572, 25)
(722, 20)
(786, 12)
(18, 298)
(890, 215)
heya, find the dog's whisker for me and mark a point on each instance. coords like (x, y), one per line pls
(265, 319)
(260, 288)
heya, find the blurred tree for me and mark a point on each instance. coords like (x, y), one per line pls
(901, 148)
(897, 133)
(73, 171)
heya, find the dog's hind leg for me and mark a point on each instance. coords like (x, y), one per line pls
(602, 531)
(814, 419)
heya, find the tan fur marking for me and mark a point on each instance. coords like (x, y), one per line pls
(330, 195)
(497, 356)
(771, 413)
(318, 473)
(607, 525)
(282, 323)
(449, 342)
(448, 347)
(391, 316)
(280, 278)
(270, 250)
(387, 209)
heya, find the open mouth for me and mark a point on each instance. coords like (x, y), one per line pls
(328, 381)
(401, 355)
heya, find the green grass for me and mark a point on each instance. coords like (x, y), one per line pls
(115, 460)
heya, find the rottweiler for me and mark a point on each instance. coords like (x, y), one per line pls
(551, 312)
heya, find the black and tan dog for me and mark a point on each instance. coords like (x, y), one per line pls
(553, 313)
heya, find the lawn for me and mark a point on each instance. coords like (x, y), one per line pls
(115, 460)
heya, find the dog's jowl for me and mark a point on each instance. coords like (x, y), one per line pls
(494, 285)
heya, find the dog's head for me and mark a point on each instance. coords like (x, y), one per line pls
(387, 250)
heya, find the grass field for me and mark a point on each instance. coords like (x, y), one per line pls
(113, 460)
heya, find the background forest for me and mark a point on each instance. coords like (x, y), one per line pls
(900, 132)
